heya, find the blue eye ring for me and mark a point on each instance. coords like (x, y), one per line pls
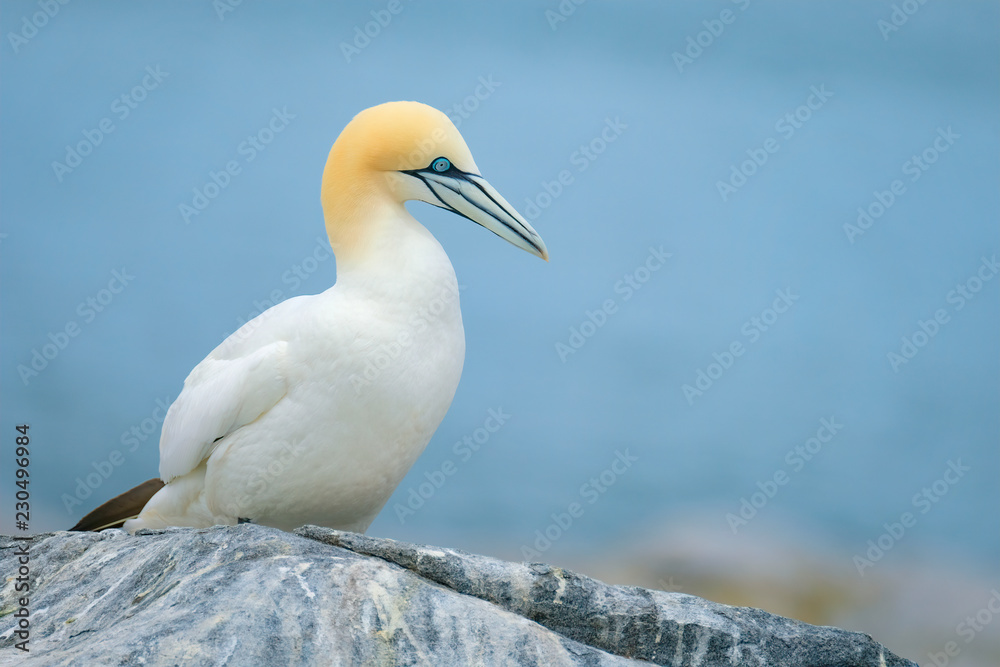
(441, 165)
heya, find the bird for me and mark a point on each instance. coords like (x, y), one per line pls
(314, 411)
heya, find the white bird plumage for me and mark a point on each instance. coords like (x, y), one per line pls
(314, 411)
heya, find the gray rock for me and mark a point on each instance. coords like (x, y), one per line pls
(251, 595)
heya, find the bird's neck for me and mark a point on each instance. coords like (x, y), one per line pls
(354, 215)
(394, 259)
(382, 252)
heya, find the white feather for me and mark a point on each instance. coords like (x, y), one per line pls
(220, 396)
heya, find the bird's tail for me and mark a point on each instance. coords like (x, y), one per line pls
(119, 509)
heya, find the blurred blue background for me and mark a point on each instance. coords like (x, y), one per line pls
(693, 91)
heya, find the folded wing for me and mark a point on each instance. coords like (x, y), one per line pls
(219, 397)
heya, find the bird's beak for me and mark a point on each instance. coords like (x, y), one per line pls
(472, 197)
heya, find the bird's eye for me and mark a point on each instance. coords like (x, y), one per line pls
(441, 165)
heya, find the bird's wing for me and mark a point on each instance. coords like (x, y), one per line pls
(220, 396)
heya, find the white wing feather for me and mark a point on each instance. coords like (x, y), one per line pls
(219, 396)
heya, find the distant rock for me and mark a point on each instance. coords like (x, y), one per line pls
(251, 595)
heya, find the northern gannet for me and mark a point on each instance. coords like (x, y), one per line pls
(314, 411)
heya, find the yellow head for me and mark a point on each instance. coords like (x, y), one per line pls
(401, 151)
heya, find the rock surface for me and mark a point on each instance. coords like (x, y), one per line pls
(251, 595)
